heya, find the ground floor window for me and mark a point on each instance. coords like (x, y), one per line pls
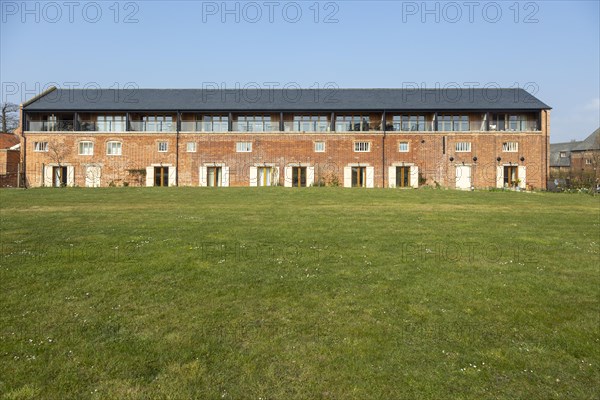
(265, 176)
(359, 176)
(161, 176)
(59, 176)
(402, 176)
(213, 176)
(299, 176)
(511, 176)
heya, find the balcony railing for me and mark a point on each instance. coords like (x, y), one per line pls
(151, 126)
(351, 127)
(515, 126)
(410, 126)
(255, 126)
(306, 126)
(102, 126)
(204, 126)
(51, 126)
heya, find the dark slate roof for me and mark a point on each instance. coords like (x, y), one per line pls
(591, 142)
(284, 100)
(556, 148)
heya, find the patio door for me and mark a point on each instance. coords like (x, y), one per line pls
(161, 176)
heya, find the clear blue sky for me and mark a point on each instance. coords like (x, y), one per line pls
(553, 44)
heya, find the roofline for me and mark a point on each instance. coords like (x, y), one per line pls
(287, 110)
(39, 96)
(412, 91)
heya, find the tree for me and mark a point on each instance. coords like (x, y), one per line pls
(9, 117)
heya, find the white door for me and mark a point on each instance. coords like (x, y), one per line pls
(92, 176)
(463, 177)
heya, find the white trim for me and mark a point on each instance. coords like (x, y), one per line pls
(522, 176)
(203, 174)
(348, 176)
(460, 179)
(93, 175)
(500, 176)
(370, 183)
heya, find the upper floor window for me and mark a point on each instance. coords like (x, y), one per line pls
(243, 147)
(517, 123)
(319, 147)
(191, 147)
(163, 147)
(40, 146)
(451, 123)
(113, 148)
(351, 123)
(409, 122)
(510, 147)
(362, 147)
(403, 147)
(212, 123)
(109, 123)
(512, 122)
(158, 123)
(86, 148)
(463, 147)
(310, 123)
(254, 123)
(563, 154)
(51, 123)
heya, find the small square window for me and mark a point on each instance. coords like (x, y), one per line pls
(243, 147)
(114, 148)
(362, 147)
(403, 147)
(40, 146)
(163, 147)
(563, 154)
(510, 147)
(463, 147)
(319, 147)
(191, 147)
(86, 148)
(588, 161)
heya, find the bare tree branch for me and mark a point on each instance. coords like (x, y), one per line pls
(9, 117)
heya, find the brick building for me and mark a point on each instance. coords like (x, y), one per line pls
(10, 157)
(576, 162)
(458, 138)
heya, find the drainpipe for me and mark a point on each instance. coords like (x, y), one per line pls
(24, 147)
(178, 127)
(383, 149)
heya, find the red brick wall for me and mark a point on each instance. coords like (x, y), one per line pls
(9, 167)
(425, 151)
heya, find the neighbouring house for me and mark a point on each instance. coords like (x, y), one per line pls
(397, 138)
(576, 163)
(10, 158)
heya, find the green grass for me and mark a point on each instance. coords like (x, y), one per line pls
(320, 293)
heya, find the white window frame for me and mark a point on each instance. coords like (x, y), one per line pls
(462, 147)
(510, 147)
(362, 147)
(193, 147)
(320, 147)
(163, 146)
(109, 145)
(406, 150)
(86, 145)
(40, 147)
(243, 147)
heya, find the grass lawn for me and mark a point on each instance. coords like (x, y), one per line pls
(319, 293)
